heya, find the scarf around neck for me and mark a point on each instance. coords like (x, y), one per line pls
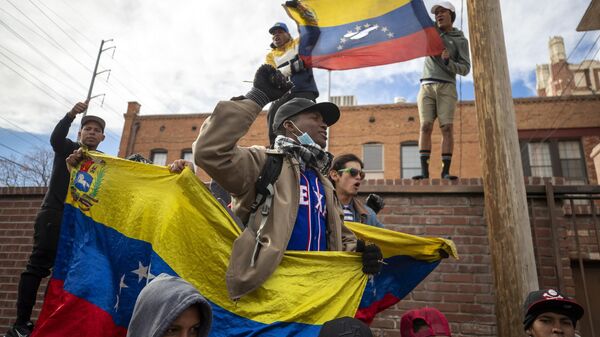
(311, 155)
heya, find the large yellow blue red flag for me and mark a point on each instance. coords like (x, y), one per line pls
(347, 34)
(126, 222)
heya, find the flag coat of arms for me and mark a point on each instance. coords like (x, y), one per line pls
(126, 222)
(348, 34)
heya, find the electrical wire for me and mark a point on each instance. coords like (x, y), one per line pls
(563, 106)
(30, 45)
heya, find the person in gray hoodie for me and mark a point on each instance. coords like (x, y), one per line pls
(170, 306)
(437, 95)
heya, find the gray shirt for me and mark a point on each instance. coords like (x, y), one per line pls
(436, 69)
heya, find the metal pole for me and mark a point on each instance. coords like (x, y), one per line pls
(89, 95)
(555, 236)
(582, 268)
(329, 86)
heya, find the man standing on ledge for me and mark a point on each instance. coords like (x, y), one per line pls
(47, 223)
(437, 96)
(284, 57)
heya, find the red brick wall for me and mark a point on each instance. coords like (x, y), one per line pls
(18, 208)
(462, 289)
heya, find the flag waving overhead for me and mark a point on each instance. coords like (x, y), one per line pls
(347, 34)
(126, 222)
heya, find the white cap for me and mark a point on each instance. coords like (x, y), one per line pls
(443, 4)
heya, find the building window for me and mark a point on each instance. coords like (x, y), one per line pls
(555, 158)
(159, 157)
(373, 160)
(409, 160)
(539, 159)
(571, 161)
(187, 155)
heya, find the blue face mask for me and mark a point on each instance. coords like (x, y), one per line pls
(304, 138)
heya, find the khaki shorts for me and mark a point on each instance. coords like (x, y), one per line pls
(437, 100)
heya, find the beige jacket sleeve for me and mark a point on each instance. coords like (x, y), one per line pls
(216, 152)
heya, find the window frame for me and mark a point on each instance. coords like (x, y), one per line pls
(159, 151)
(382, 157)
(402, 145)
(554, 156)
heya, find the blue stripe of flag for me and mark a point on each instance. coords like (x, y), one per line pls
(403, 21)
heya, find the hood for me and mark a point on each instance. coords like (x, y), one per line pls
(161, 302)
(456, 33)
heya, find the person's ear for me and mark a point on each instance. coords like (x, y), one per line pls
(528, 332)
(289, 126)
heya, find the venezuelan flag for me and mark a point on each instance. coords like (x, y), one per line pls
(348, 34)
(126, 222)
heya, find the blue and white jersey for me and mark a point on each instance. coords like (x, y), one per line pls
(309, 231)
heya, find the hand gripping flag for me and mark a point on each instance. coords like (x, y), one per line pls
(125, 222)
(348, 34)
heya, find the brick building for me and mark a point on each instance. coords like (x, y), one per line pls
(557, 136)
(562, 78)
(566, 238)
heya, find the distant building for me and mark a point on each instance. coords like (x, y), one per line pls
(556, 134)
(348, 100)
(562, 78)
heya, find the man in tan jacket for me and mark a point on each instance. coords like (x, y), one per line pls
(302, 212)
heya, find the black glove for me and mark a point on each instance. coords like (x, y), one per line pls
(375, 202)
(269, 85)
(371, 257)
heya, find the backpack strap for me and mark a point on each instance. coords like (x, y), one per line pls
(264, 196)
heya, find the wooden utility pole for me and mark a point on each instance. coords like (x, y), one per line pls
(509, 232)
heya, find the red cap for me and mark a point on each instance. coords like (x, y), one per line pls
(436, 322)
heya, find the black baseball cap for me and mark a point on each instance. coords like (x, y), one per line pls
(345, 327)
(329, 111)
(90, 118)
(550, 300)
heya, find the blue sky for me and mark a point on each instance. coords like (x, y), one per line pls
(179, 57)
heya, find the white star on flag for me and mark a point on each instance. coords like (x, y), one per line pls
(122, 283)
(141, 272)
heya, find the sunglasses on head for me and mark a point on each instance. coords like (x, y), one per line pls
(353, 172)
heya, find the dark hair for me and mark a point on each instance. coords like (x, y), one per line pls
(452, 16)
(339, 162)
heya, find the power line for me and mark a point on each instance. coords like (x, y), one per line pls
(33, 83)
(564, 104)
(30, 45)
(32, 75)
(27, 132)
(48, 37)
(151, 91)
(19, 136)
(59, 27)
(58, 45)
(70, 88)
(68, 24)
(14, 162)
(10, 148)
